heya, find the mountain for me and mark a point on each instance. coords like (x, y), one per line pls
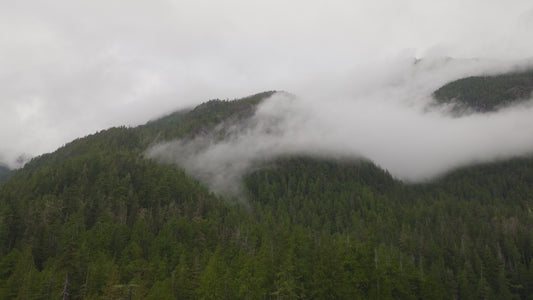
(487, 93)
(97, 219)
(4, 173)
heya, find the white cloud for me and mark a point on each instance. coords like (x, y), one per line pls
(94, 64)
(394, 123)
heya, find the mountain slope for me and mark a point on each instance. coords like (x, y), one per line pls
(99, 220)
(201, 119)
(4, 173)
(487, 93)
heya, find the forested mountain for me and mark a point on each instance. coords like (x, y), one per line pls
(487, 93)
(98, 220)
(4, 173)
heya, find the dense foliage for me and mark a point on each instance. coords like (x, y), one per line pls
(487, 93)
(97, 220)
(5, 172)
(202, 119)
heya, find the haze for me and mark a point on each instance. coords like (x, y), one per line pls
(396, 124)
(68, 69)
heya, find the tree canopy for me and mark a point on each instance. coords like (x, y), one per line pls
(96, 219)
(487, 93)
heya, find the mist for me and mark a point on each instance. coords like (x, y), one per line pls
(75, 68)
(386, 114)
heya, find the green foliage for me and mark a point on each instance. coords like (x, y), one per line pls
(5, 173)
(487, 93)
(97, 220)
(201, 119)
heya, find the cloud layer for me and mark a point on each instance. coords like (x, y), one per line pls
(73, 68)
(393, 121)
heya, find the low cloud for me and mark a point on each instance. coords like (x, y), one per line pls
(74, 68)
(389, 117)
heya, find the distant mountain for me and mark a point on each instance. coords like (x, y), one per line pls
(4, 173)
(96, 219)
(487, 93)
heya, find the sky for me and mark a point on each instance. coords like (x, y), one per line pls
(71, 68)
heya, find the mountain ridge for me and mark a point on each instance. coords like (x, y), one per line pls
(98, 219)
(487, 93)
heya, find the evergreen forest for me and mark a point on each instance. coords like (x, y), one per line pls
(97, 219)
(487, 93)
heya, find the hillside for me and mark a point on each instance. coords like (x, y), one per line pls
(4, 173)
(487, 93)
(201, 119)
(96, 219)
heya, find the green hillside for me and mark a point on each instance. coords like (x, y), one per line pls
(201, 119)
(4, 173)
(487, 93)
(98, 220)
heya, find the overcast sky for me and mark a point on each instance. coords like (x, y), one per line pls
(70, 68)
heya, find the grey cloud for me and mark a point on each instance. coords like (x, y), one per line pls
(395, 124)
(73, 68)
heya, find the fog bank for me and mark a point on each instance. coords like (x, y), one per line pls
(387, 115)
(76, 67)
